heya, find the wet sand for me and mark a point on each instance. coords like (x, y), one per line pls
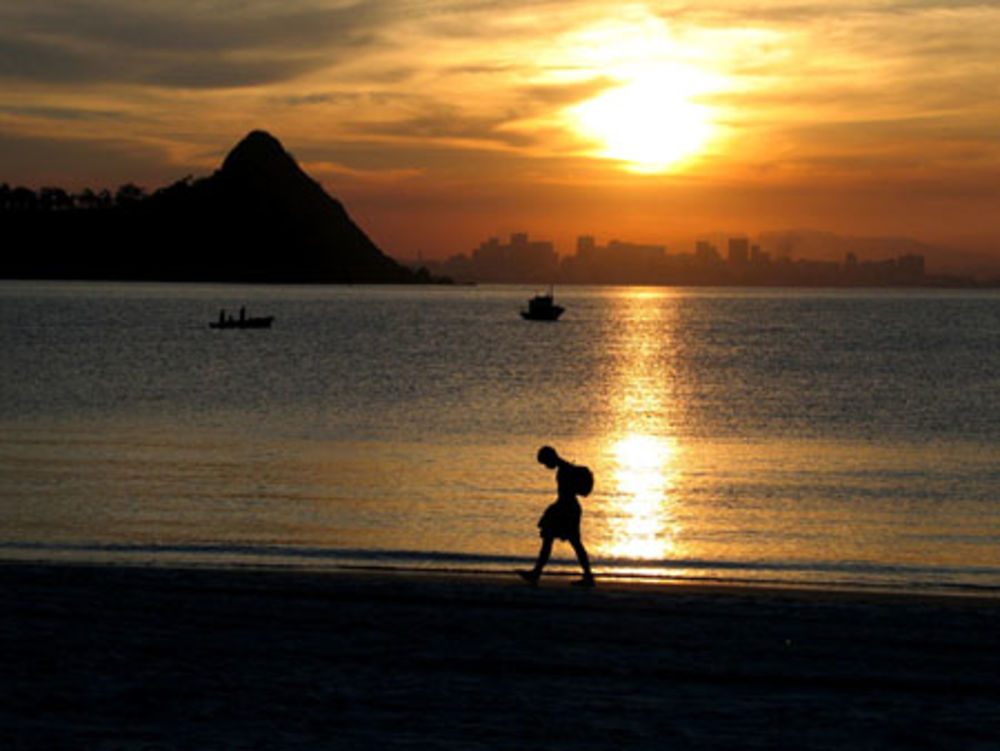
(130, 658)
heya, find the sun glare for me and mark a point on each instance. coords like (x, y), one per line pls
(650, 124)
(653, 117)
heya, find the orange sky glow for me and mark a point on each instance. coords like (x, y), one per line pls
(441, 122)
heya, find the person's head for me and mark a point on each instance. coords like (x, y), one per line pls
(548, 456)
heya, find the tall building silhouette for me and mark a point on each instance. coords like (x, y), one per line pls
(739, 251)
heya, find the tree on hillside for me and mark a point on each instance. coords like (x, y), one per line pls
(54, 199)
(22, 199)
(85, 199)
(129, 194)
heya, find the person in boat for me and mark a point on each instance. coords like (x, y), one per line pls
(562, 519)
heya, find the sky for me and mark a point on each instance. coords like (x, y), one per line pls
(439, 123)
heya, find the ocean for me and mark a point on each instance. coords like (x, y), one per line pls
(833, 438)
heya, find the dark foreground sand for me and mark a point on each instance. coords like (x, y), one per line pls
(120, 658)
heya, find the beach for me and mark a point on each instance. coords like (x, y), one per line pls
(117, 657)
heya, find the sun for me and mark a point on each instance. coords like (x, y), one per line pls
(651, 124)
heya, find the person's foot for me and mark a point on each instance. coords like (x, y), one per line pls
(530, 576)
(587, 581)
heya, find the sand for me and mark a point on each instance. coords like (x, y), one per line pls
(139, 658)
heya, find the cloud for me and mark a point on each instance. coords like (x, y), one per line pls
(50, 62)
(323, 97)
(210, 72)
(252, 25)
(567, 94)
(321, 169)
(795, 13)
(508, 125)
(201, 45)
(914, 79)
(63, 113)
(71, 163)
(446, 124)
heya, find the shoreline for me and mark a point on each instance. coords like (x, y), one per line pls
(137, 657)
(607, 580)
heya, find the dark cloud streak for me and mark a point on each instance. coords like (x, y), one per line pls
(47, 62)
(206, 72)
(65, 113)
(564, 95)
(186, 27)
(183, 46)
(447, 125)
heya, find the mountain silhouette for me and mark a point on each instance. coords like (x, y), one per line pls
(258, 218)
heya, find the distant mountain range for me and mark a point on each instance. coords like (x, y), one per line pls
(259, 218)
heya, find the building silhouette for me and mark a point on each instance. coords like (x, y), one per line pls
(739, 251)
(520, 259)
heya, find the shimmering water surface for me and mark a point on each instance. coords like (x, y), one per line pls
(816, 437)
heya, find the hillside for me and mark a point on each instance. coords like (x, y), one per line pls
(258, 218)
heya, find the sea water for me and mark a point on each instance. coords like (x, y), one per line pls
(815, 437)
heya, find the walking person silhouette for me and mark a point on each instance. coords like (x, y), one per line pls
(562, 518)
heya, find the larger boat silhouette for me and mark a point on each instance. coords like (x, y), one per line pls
(542, 308)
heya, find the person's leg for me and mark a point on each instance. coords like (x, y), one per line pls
(583, 558)
(543, 557)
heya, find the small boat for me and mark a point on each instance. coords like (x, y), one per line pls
(243, 322)
(542, 308)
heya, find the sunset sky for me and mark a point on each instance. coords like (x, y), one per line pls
(441, 122)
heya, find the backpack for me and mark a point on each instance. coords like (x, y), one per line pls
(583, 480)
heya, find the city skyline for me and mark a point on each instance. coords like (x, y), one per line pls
(443, 121)
(739, 262)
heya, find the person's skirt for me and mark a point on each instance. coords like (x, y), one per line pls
(562, 520)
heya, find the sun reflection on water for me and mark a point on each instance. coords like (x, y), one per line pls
(640, 520)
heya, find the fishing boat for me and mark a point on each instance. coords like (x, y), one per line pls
(542, 308)
(242, 322)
